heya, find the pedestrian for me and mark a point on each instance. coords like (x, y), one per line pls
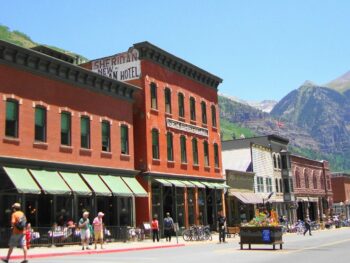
(98, 229)
(17, 239)
(168, 227)
(221, 226)
(85, 234)
(307, 226)
(155, 228)
(28, 234)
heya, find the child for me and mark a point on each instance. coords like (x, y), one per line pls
(28, 234)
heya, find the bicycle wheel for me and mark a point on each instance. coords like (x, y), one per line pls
(208, 236)
(187, 235)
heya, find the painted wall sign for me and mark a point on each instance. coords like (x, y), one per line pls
(182, 126)
(124, 66)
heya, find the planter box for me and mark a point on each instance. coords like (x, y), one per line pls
(261, 235)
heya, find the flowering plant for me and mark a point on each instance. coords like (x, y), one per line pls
(262, 219)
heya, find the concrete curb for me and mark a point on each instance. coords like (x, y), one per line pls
(93, 252)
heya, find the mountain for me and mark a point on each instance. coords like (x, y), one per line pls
(265, 105)
(341, 84)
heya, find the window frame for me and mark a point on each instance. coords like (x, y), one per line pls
(106, 147)
(181, 104)
(14, 123)
(204, 112)
(216, 155)
(86, 118)
(195, 151)
(183, 149)
(155, 144)
(206, 153)
(193, 109)
(69, 133)
(40, 131)
(124, 141)
(213, 116)
(167, 100)
(170, 146)
(154, 97)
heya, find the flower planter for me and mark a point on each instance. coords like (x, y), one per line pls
(261, 235)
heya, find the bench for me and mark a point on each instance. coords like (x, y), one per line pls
(272, 243)
(232, 230)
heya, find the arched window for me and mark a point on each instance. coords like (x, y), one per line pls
(167, 99)
(206, 153)
(170, 151)
(155, 144)
(154, 101)
(193, 109)
(183, 149)
(216, 155)
(181, 105)
(204, 112)
(213, 115)
(274, 161)
(297, 178)
(314, 179)
(306, 176)
(279, 165)
(195, 151)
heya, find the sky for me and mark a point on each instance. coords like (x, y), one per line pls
(262, 49)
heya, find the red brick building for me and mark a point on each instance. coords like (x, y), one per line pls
(177, 139)
(66, 139)
(312, 187)
(341, 193)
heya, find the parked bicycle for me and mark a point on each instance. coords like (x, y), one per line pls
(197, 233)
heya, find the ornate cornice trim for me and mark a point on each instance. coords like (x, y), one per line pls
(41, 64)
(150, 52)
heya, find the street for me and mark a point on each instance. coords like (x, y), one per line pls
(322, 246)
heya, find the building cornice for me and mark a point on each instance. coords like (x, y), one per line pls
(153, 53)
(41, 64)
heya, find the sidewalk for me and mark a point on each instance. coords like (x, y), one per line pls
(114, 247)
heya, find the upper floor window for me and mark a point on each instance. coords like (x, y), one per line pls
(193, 108)
(170, 148)
(213, 115)
(297, 178)
(206, 153)
(274, 161)
(216, 155)
(167, 98)
(85, 132)
(124, 139)
(314, 180)
(277, 186)
(66, 119)
(181, 105)
(204, 112)
(154, 101)
(260, 184)
(155, 144)
(40, 124)
(183, 149)
(11, 125)
(195, 151)
(306, 174)
(106, 136)
(269, 185)
(279, 165)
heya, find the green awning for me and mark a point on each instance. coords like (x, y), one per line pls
(135, 186)
(117, 185)
(209, 185)
(188, 184)
(22, 180)
(77, 184)
(219, 185)
(50, 182)
(163, 182)
(198, 184)
(176, 183)
(97, 185)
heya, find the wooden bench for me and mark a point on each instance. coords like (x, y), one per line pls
(232, 230)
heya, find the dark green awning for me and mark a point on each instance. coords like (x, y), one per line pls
(163, 182)
(97, 185)
(176, 183)
(188, 184)
(22, 180)
(198, 184)
(77, 184)
(117, 185)
(209, 185)
(135, 186)
(50, 182)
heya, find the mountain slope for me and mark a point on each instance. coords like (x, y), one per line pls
(341, 84)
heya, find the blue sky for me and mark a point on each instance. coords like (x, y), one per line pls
(262, 49)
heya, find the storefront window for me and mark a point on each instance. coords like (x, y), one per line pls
(156, 197)
(201, 206)
(63, 210)
(125, 211)
(190, 204)
(180, 206)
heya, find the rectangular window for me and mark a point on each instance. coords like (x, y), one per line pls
(40, 124)
(167, 98)
(66, 128)
(169, 139)
(195, 151)
(183, 149)
(204, 112)
(260, 182)
(277, 187)
(154, 102)
(193, 109)
(206, 154)
(124, 139)
(106, 136)
(155, 144)
(181, 105)
(213, 115)
(85, 132)
(269, 185)
(11, 126)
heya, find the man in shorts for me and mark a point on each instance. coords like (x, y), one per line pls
(17, 238)
(98, 229)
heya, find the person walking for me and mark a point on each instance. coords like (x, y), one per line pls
(307, 226)
(168, 227)
(84, 223)
(221, 226)
(17, 239)
(155, 228)
(98, 229)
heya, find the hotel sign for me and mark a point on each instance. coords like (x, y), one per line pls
(123, 67)
(182, 126)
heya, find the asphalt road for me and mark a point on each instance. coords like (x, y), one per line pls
(323, 246)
